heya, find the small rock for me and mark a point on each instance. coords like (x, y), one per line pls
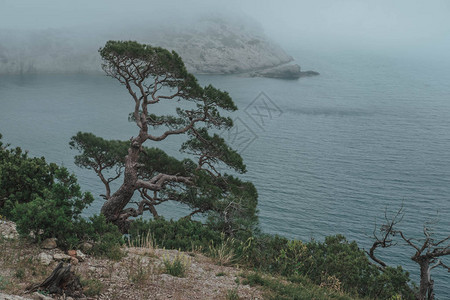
(39, 296)
(8, 229)
(61, 256)
(72, 253)
(86, 246)
(80, 255)
(10, 297)
(45, 258)
(49, 243)
(282, 72)
(309, 73)
(285, 72)
(73, 261)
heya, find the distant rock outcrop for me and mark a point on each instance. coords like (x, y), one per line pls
(212, 45)
(221, 47)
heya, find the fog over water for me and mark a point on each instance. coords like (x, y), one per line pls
(379, 25)
(402, 28)
(372, 131)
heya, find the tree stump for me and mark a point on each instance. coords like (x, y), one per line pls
(62, 281)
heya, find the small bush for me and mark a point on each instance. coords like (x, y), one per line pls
(139, 276)
(3, 283)
(106, 237)
(232, 294)
(20, 273)
(262, 252)
(22, 178)
(291, 257)
(139, 273)
(56, 213)
(184, 234)
(178, 266)
(92, 287)
(254, 279)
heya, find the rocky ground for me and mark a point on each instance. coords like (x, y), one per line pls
(139, 275)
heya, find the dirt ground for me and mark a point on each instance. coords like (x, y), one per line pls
(141, 274)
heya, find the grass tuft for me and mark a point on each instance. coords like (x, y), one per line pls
(223, 253)
(92, 287)
(232, 294)
(178, 266)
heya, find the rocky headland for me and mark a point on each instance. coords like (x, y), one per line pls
(207, 45)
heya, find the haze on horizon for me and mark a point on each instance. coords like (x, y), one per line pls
(422, 27)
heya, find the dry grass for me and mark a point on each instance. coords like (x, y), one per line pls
(223, 254)
(145, 242)
(141, 272)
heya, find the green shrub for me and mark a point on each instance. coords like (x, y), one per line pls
(262, 252)
(178, 266)
(325, 263)
(184, 234)
(3, 283)
(391, 283)
(56, 213)
(92, 287)
(303, 288)
(105, 236)
(20, 273)
(344, 260)
(46, 201)
(108, 247)
(291, 257)
(22, 178)
(232, 294)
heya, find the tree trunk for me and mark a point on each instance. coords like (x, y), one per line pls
(115, 205)
(426, 284)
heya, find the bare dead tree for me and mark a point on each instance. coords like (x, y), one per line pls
(428, 251)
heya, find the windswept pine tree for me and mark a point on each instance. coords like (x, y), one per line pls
(154, 75)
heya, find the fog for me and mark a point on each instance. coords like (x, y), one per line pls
(412, 25)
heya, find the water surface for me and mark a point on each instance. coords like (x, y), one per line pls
(368, 134)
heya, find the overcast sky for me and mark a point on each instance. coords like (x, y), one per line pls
(376, 23)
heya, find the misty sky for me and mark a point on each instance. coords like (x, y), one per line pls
(376, 23)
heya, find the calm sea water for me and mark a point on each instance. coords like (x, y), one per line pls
(328, 154)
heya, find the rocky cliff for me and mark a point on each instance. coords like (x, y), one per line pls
(207, 45)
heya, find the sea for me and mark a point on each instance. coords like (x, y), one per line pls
(330, 154)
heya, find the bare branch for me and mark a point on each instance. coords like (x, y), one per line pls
(193, 213)
(161, 180)
(408, 241)
(385, 241)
